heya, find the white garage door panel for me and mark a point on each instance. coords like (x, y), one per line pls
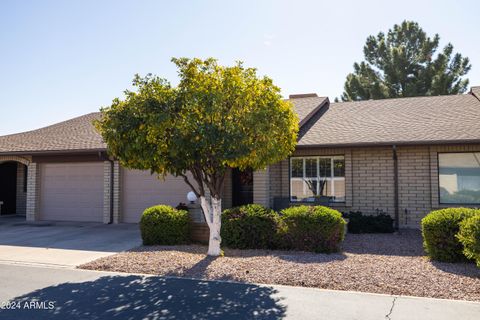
(142, 190)
(71, 191)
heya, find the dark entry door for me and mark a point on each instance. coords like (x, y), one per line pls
(8, 187)
(242, 187)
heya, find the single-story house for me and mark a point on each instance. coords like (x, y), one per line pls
(403, 157)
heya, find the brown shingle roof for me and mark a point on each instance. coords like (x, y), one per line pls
(79, 134)
(407, 120)
(72, 135)
(418, 120)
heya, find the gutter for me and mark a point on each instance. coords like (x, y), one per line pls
(395, 187)
(388, 143)
(51, 152)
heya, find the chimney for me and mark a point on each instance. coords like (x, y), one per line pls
(303, 95)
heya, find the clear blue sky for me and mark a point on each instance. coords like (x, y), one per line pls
(61, 59)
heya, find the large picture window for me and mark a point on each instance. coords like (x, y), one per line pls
(313, 177)
(459, 177)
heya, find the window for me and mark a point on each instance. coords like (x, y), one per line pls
(312, 177)
(459, 177)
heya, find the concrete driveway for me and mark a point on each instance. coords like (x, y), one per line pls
(62, 244)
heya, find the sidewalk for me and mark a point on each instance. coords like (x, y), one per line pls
(80, 294)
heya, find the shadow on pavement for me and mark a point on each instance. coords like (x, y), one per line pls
(135, 297)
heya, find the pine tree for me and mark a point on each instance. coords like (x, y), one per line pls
(404, 63)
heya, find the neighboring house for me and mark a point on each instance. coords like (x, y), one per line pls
(403, 157)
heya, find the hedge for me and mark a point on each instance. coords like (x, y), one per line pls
(311, 228)
(469, 237)
(164, 225)
(439, 231)
(249, 227)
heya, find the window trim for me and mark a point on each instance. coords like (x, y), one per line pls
(332, 177)
(447, 204)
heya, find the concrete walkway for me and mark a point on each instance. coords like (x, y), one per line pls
(62, 244)
(78, 294)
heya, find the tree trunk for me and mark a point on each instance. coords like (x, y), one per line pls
(213, 215)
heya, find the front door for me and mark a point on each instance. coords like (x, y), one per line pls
(242, 187)
(8, 188)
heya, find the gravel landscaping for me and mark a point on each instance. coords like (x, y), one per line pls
(379, 263)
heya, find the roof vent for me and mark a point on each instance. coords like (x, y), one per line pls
(303, 95)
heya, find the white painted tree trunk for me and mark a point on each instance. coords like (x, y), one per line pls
(212, 210)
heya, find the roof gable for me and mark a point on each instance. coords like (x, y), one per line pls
(307, 107)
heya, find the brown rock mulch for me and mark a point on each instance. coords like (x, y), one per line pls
(379, 263)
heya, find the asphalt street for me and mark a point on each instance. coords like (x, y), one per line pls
(33, 292)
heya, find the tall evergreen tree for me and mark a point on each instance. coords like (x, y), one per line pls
(405, 63)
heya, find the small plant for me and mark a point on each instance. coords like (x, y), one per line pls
(469, 237)
(249, 227)
(379, 223)
(312, 228)
(164, 225)
(439, 231)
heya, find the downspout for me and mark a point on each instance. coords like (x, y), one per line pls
(395, 187)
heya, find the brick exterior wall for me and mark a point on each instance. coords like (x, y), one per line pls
(372, 180)
(107, 196)
(117, 185)
(21, 193)
(414, 184)
(369, 179)
(33, 191)
(261, 187)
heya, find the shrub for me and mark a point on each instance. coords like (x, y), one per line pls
(312, 228)
(439, 230)
(469, 237)
(359, 223)
(164, 225)
(249, 227)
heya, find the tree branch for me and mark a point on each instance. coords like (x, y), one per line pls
(185, 178)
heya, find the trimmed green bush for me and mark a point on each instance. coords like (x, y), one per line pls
(311, 228)
(164, 225)
(469, 237)
(249, 227)
(359, 223)
(439, 230)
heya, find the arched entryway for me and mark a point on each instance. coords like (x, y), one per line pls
(13, 186)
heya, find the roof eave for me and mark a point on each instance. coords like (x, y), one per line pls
(52, 152)
(388, 143)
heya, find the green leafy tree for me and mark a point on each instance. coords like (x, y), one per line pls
(404, 63)
(217, 118)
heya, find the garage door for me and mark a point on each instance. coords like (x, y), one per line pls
(141, 190)
(71, 191)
